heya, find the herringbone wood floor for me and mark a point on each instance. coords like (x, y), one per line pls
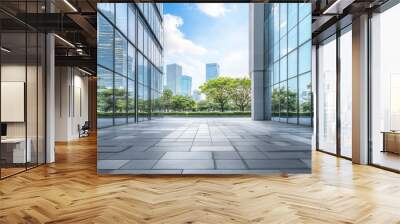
(70, 191)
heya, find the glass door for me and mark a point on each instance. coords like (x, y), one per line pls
(327, 93)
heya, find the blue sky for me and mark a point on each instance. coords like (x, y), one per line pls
(200, 33)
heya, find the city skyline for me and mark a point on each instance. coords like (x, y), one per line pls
(212, 71)
(193, 38)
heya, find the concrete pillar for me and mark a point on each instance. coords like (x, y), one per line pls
(256, 62)
(50, 98)
(360, 90)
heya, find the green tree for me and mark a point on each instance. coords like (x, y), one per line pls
(104, 99)
(182, 103)
(241, 93)
(202, 105)
(218, 90)
(166, 99)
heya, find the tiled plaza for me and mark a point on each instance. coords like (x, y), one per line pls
(204, 146)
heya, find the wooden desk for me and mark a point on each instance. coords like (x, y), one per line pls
(17, 148)
(391, 141)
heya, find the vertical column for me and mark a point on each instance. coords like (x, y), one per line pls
(256, 62)
(50, 98)
(314, 94)
(360, 90)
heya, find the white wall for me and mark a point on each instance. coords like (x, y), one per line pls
(71, 102)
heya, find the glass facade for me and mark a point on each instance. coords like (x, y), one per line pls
(327, 92)
(287, 42)
(22, 101)
(129, 62)
(385, 90)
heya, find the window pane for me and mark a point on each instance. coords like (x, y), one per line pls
(107, 9)
(276, 51)
(327, 96)
(105, 43)
(131, 101)
(305, 58)
(304, 10)
(122, 17)
(292, 64)
(120, 94)
(140, 35)
(132, 24)
(121, 54)
(283, 43)
(305, 100)
(276, 22)
(131, 62)
(140, 68)
(283, 69)
(104, 97)
(292, 39)
(283, 18)
(292, 98)
(292, 15)
(275, 102)
(346, 94)
(283, 102)
(276, 72)
(140, 102)
(305, 30)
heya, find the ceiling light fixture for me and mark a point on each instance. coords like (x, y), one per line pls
(337, 7)
(5, 50)
(70, 5)
(64, 40)
(84, 71)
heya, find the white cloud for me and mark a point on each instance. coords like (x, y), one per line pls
(175, 41)
(235, 63)
(180, 50)
(213, 9)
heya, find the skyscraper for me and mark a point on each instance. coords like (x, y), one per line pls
(174, 74)
(212, 71)
(196, 95)
(186, 85)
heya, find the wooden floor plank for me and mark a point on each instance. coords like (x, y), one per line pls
(70, 191)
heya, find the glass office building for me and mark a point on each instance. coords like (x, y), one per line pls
(129, 62)
(186, 85)
(212, 71)
(287, 55)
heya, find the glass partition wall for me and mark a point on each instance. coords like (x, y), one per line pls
(22, 76)
(334, 101)
(385, 90)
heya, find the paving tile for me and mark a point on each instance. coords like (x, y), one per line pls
(212, 148)
(138, 155)
(110, 164)
(267, 147)
(184, 164)
(169, 148)
(111, 148)
(252, 155)
(139, 172)
(230, 164)
(187, 155)
(246, 148)
(103, 155)
(139, 164)
(226, 155)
